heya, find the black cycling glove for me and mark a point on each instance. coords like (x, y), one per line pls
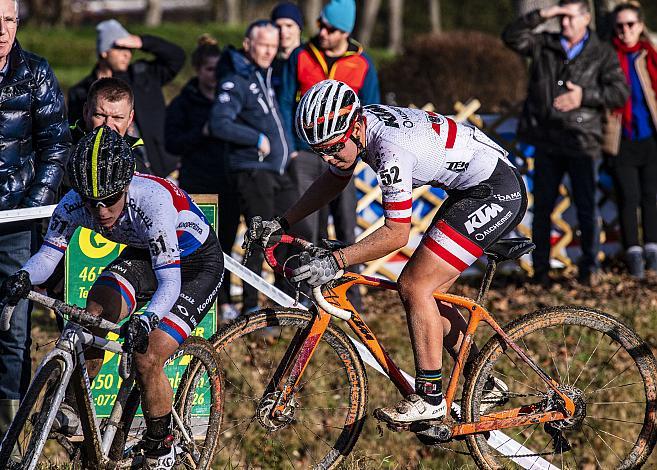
(16, 287)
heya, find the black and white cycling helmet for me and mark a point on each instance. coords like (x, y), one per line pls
(101, 165)
(326, 111)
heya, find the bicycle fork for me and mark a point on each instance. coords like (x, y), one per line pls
(277, 402)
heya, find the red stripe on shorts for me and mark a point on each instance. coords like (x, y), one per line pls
(444, 254)
(461, 240)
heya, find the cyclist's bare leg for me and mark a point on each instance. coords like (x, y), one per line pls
(424, 274)
(454, 326)
(157, 394)
(108, 303)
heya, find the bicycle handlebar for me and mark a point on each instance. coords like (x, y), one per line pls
(316, 291)
(78, 314)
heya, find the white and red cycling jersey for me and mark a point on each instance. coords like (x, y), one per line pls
(408, 148)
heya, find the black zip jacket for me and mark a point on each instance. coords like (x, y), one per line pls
(595, 69)
(146, 79)
(246, 106)
(34, 136)
(201, 157)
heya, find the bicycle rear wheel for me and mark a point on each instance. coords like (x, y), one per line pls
(195, 374)
(326, 415)
(25, 438)
(599, 362)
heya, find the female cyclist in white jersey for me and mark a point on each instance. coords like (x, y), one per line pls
(408, 148)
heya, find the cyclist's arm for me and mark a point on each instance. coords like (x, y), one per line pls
(395, 176)
(391, 236)
(318, 195)
(63, 223)
(165, 259)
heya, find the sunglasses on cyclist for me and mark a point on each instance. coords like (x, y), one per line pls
(323, 25)
(621, 26)
(333, 149)
(107, 202)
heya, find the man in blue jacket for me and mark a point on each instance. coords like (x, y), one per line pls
(34, 148)
(246, 116)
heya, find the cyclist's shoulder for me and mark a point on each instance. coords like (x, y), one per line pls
(70, 205)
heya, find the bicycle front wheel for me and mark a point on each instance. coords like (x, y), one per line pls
(322, 421)
(25, 438)
(599, 362)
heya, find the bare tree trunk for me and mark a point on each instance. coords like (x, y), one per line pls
(64, 13)
(311, 11)
(368, 21)
(233, 12)
(434, 15)
(154, 12)
(217, 10)
(396, 26)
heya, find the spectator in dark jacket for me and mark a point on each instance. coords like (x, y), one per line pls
(246, 116)
(114, 46)
(34, 143)
(202, 166)
(574, 76)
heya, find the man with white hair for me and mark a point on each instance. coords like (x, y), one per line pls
(34, 148)
(246, 116)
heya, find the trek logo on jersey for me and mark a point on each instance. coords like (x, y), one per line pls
(507, 197)
(482, 216)
(458, 167)
(388, 119)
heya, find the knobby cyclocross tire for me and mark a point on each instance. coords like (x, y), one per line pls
(27, 430)
(323, 420)
(200, 381)
(202, 385)
(601, 362)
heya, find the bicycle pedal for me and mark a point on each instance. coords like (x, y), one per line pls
(432, 430)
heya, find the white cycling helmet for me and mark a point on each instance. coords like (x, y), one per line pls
(326, 111)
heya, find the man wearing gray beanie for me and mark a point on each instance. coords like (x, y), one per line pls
(114, 46)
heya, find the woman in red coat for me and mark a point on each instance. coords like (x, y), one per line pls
(635, 165)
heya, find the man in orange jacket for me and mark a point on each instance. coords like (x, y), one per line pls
(332, 53)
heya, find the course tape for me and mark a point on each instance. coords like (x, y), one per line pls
(497, 439)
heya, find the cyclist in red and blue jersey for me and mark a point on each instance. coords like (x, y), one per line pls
(172, 257)
(409, 148)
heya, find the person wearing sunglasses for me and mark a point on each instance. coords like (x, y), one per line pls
(331, 53)
(409, 148)
(574, 76)
(172, 257)
(632, 137)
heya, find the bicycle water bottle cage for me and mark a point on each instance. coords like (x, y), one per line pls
(509, 249)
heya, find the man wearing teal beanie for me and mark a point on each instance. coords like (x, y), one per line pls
(340, 14)
(331, 53)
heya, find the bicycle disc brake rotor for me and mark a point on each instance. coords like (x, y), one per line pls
(282, 419)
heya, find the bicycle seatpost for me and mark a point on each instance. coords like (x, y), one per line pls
(486, 281)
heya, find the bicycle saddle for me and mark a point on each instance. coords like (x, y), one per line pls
(509, 248)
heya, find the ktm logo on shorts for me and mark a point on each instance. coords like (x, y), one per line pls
(482, 216)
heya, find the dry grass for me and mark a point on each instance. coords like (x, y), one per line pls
(635, 302)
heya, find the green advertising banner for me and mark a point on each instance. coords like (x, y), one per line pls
(87, 255)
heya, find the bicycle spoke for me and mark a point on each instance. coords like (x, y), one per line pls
(584, 367)
(554, 362)
(565, 348)
(614, 419)
(605, 442)
(614, 387)
(595, 456)
(601, 368)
